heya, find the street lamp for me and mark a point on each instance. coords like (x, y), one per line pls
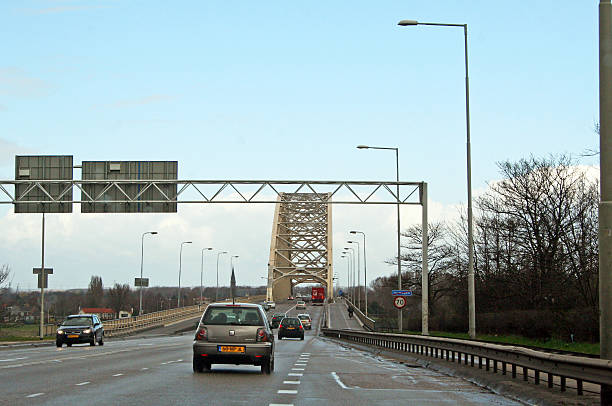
(202, 271)
(180, 266)
(365, 269)
(348, 273)
(141, 261)
(471, 288)
(358, 273)
(399, 253)
(217, 289)
(352, 270)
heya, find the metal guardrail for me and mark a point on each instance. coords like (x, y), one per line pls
(367, 322)
(492, 356)
(129, 325)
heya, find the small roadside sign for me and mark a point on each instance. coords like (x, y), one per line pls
(399, 302)
(142, 282)
(401, 293)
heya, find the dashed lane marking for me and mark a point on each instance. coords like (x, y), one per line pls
(280, 404)
(33, 395)
(83, 383)
(297, 369)
(287, 392)
(143, 369)
(117, 374)
(12, 359)
(291, 382)
(294, 374)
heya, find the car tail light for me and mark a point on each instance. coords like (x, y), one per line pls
(202, 334)
(280, 326)
(301, 328)
(262, 335)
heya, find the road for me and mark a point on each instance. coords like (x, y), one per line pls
(157, 371)
(339, 318)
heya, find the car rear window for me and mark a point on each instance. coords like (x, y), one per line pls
(78, 321)
(304, 317)
(232, 316)
(291, 321)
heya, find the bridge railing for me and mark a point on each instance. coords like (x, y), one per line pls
(529, 363)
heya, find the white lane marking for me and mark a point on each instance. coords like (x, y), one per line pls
(294, 374)
(143, 369)
(12, 359)
(170, 362)
(291, 382)
(144, 344)
(117, 374)
(83, 383)
(297, 369)
(33, 395)
(299, 364)
(288, 392)
(338, 381)
(280, 404)
(306, 354)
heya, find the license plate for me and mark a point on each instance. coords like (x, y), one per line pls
(290, 328)
(231, 348)
(73, 336)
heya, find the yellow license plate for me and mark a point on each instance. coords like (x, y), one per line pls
(73, 336)
(231, 348)
(290, 328)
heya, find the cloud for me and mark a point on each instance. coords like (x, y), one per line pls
(17, 83)
(119, 104)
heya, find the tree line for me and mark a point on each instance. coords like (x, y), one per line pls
(535, 258)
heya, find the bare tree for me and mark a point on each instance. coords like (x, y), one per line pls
(95, 292)
(119, 297)
(5, 273)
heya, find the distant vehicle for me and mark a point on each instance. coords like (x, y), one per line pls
(291, 327)
(318, 296)
(265, 306)
(290, 298)
(233, 334)
(306, 320)
(80, 328)
(300, 304)
(272, 305)
(276, 319)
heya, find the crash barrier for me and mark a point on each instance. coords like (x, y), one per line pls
(531, 364)
(134, 324)
(367, 322)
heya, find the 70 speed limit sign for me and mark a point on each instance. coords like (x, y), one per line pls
(399, 302)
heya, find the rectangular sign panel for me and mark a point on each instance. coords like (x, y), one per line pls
(401, 293)
(43, 167)
(126, 196)
(144, 282)
(41, 280)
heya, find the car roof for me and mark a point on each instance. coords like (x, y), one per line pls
(303, 314)
(79, 315)
(237, 304)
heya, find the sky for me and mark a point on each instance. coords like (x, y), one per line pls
(279, 90)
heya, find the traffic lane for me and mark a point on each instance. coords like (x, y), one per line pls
(57, 377)
(339, 319)
(339, 374)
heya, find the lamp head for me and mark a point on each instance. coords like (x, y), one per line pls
(362, 147)
(405, 23)
(153, 232)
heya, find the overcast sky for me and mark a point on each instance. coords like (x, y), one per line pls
(278, 90)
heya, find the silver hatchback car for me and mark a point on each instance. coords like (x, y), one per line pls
(233, 334)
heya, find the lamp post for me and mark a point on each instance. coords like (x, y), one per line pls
(365, 269)
(353, 295)
(180, 266)
(217, 289)
(399, 253)
(471, 287)
(141, 262)
(358, 273)
(348, 273)
(202, 271)
(232, 266)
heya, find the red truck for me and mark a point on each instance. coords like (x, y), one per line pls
(318, 296)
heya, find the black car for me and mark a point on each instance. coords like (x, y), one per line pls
(276, 319)
(291, 327)
(80, 328)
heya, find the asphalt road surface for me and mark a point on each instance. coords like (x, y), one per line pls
(157, 371)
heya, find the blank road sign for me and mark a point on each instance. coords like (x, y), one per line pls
(42, 280)
(143, 282)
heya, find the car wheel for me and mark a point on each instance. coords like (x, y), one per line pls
(206, 366)
(302, 337)
(101, 342)
(58, 344)
(266, 366)
(280, 337)
(93, 341)
(68, 344)
(198, 365)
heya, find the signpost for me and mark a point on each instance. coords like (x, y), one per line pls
(401, 293)
(143, 282)
(42, 279)
(399, 302)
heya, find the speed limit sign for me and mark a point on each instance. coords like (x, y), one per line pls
(399, 301)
